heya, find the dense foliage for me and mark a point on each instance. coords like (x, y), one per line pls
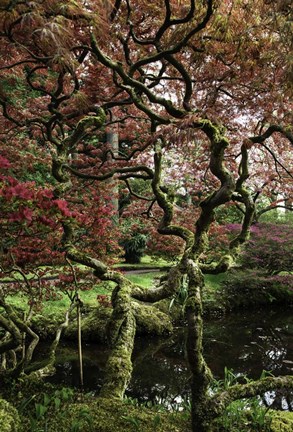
(246, 289)
(270, 248)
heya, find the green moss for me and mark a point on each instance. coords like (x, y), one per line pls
(226, 262)
(85, 412)
(108, 415)
(46, 325)
(90, 414)
(175, 312)
(89, 121)
(94, 325)
(119, 364)
(9, 419)
(151, 320)
(133, 418)
(118, 373)
(282, 421)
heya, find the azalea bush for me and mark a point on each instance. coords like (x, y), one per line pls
(269, 248)
(266, 263)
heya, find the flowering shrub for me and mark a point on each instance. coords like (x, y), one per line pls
(269, 248)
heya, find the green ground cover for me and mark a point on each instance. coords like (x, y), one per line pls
(147, 261)
(41, 407)
(85, 413)
(144, 274)
(89, 297)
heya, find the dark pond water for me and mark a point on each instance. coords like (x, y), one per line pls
(248, 343)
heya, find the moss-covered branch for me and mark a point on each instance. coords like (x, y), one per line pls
(47, 367)
(82, 127)
(166, 202)
(12, 342)
(218, 145)
(136, 87)
(111, 173)
(221, 400)
(167, 288)
(286, 132)
(246, 198)
(17, 327)
(227, 182)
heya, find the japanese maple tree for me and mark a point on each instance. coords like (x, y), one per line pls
(196, 87)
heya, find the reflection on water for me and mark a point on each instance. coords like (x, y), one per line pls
(251, 343)
(248, 343)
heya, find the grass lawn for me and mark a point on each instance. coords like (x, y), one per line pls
(145, 279)
(146, 262)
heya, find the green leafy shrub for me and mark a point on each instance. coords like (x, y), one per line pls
(134, 247)
(252, 287)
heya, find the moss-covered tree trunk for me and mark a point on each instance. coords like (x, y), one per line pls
(201, 374)
(119, 365)
(121, 334)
